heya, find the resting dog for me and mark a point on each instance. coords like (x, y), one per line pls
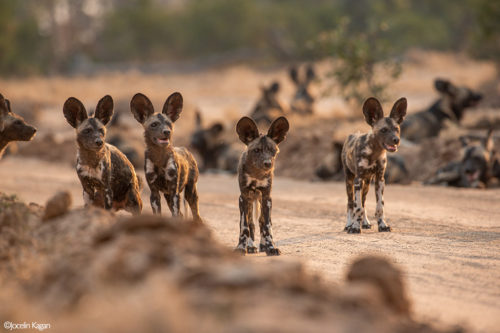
(364, 157)
(168, 170)
(255, 176)
(107, 176)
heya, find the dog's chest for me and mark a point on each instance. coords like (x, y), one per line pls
(164, 175)
(97, 173)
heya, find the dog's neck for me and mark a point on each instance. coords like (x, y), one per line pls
(442, 109)
(3, 144)
(90, 157)
(159, 155)
(376, 147)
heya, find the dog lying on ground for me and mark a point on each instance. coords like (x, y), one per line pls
(476, 169)
(303, 101)
(12, 126)
(170, 170)
(214, 151)
(451, 106)
(268, 106)
(364, 158)
(255, 177)
(107, 176)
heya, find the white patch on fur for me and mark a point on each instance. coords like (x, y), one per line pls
(365, 218)
(170, 166)
(258, 182)
(155, 206)
(367, 150)
(269, 204)
(349, 218)
(364, 164)
(87, 171)
(150, 167)
(250, 242)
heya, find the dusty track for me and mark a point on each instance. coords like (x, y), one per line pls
(447, 240)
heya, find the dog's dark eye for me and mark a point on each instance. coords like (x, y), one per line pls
(383, 130)
(154, 124)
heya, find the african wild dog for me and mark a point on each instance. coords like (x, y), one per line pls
(214, 151)
(268, 106)
(107, 176)
(476, 168)
(255, 177)
(451, 106)
(302, 101)
(169, 169)
(12, 126)
(364, 157)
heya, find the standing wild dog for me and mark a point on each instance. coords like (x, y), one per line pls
(169, 169)
(364, 157)
(12, 126)
(268, 106)
(450, 106)
(107, 176)
(255, 176)
(302, 101)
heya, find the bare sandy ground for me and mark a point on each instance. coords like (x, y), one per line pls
(447, 240)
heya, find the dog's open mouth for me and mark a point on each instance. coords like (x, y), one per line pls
(472, 176)
(165, 141)
(391, 148)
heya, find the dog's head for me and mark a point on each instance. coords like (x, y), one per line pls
(262, 149)
(458, 97)
(476, 161)
(385, 129)
(12, 126)
(158, 127)
(205, 139)
(90, 132)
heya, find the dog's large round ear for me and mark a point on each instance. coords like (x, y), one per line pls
(74, 112)
(294, 75)
(398, 111)
(372, 110)
(247, 130)
(310, 74)
(217, 128)
(104, 109)
(444, 86)
(279, 128)
(141, 107)
(173, 106)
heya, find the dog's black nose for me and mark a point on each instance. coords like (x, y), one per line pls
(99, 142)
(396, 140)
(267, 164)
(166, 132)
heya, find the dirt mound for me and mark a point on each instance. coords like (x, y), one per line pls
(146, 273)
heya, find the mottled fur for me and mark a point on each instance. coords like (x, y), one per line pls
(364, 158)
(268, 106)
(107, 176)
(450, 106)
(12, 126)
(255, 177)
(170, 170)
(476, 168)
(214, 151)
(302, 101)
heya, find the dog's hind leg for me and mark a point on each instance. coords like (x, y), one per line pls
(349, 183)
(191, 196)
(251, 248)
(265, 224)
(366, 186)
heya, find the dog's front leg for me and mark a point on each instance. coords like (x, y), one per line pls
(155, 200)
(379, 194)
(266, 232)
(358, 207)
(245, 208)
(174, 203)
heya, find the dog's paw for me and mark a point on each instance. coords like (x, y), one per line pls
(252, 249)
(366, 226)
(273, 251)
(240, 250)
(385, 228)
(353, 230)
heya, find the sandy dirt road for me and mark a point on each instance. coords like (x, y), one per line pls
(446, 240)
